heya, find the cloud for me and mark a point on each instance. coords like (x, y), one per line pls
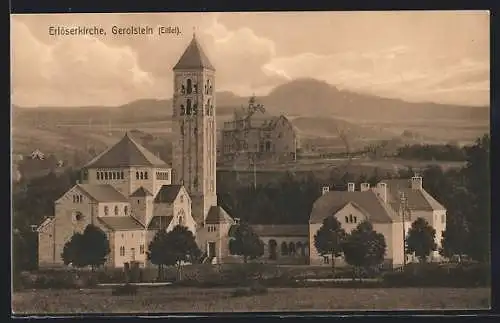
(253, 52)
(72, 69)
(377, 73)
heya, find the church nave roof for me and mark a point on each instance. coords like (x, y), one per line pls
(127, 152)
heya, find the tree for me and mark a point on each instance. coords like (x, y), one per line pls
(364, 247)
(89, 248)
(95, 246)
(329, 239)
(478, 184)
(156, 252)
(421, 239)
(246, 243)
(172, 248)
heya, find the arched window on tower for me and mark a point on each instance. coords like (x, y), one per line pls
(183, 110)
(136, 175)
(189, 86)
(188, 106)
(208, 107)
(145, 175)
(142, 175)
(116, 210)
(195, 108)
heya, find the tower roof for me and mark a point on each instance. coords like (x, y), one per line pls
(127, 152)
(194, 57)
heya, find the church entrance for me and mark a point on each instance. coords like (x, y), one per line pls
(211, 250)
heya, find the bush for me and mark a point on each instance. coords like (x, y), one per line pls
(57, 279)
(126, 289)
(435, 275)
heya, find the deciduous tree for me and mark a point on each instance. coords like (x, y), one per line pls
(364, 247)
(246, 243)
(172, 248)
(89, 248)
(329, 239)
(421, 239)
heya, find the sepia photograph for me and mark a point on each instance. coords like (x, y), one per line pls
(271, 162)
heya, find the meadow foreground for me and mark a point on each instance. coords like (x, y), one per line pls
(150, 300)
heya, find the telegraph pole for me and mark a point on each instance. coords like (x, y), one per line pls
(403, 207)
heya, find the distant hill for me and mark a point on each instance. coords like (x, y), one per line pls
(313, 97)
(316, 108)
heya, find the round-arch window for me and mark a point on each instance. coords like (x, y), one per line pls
(78, 216)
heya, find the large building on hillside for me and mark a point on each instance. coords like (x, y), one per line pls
(254, 135)
(130, 193)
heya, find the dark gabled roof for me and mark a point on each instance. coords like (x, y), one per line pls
(45, 222)
(281, 230)
(121, 223)
(141, 192)
(417, 199)
(127, 152)
(333, 201)
(194, 57)
(102, 192)
(159, 222)
(167, 193)
(217, 215)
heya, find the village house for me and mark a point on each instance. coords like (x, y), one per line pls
(384, 206)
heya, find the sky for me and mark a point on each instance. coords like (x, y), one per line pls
(424, 56)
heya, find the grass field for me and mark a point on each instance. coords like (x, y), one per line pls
(165, 299)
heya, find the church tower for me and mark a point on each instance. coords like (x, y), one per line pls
(194, 151)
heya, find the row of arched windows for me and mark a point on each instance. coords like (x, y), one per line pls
(192, 108)
(141, 175)
(287, 249)
(192, 88)
(162, 176)
(351, 219)
(116, 210)
(110, 175)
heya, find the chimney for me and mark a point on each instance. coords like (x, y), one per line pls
(325, 189)
(351, 187)
(365, 187)
(382, 191)
(416, 182)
